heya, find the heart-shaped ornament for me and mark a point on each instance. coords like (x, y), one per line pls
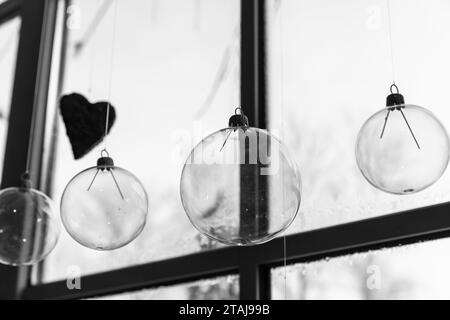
(85, 122)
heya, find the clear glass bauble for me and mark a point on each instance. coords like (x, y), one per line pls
(104, 207)
(410, 155)
(29, 229)
(240, 187)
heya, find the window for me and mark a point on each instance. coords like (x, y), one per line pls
(418, 271)
(167, 56)
(223, 288)
(9, 36)
(334, 64)
(314, 78)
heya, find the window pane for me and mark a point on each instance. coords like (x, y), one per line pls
(223, 288)
(329, 71)
(418, 271)
(169, 55)
(9, 39)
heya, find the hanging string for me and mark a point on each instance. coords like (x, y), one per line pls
(92, 57)
(226, 63)
(106, 128)
(104, 152)
(91, 68)
(154, 9)
(197, 14)
(279, 7)
(93, 26)
(30, 145)
(391, 44)
(391, 47)
(113, 41)
(26, 174)
(284, 266)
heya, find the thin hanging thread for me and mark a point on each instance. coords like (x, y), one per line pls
(93, 26)
(391, 47)
(113, 41)
(391, 44)
(284, 266)
(280, 8)
(30, 143)
(91, 67)
(104, 150)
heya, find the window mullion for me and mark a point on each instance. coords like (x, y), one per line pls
(28, 97)
(253, 104)
(9, 10)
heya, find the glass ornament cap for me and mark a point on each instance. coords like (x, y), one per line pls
(29, 229)
(104, 207)
(403, 148)
(239, 186)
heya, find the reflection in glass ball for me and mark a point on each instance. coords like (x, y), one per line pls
(28, 226)
(402, 149)
(104, 207)
(240, 187)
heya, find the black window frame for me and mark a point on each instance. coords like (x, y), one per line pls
(252, 264)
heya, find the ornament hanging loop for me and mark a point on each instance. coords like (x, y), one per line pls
(392, 87)
(104, 153)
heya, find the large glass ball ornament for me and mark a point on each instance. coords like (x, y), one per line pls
(239, 186)
(403, 148)
(28, 225)
(104, 207)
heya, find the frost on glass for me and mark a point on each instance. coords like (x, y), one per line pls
(329, 70)
(223, 288)
(418, 271)
(9, 39)
(168, 96)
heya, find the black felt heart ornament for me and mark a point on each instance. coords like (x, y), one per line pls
(85, 122)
